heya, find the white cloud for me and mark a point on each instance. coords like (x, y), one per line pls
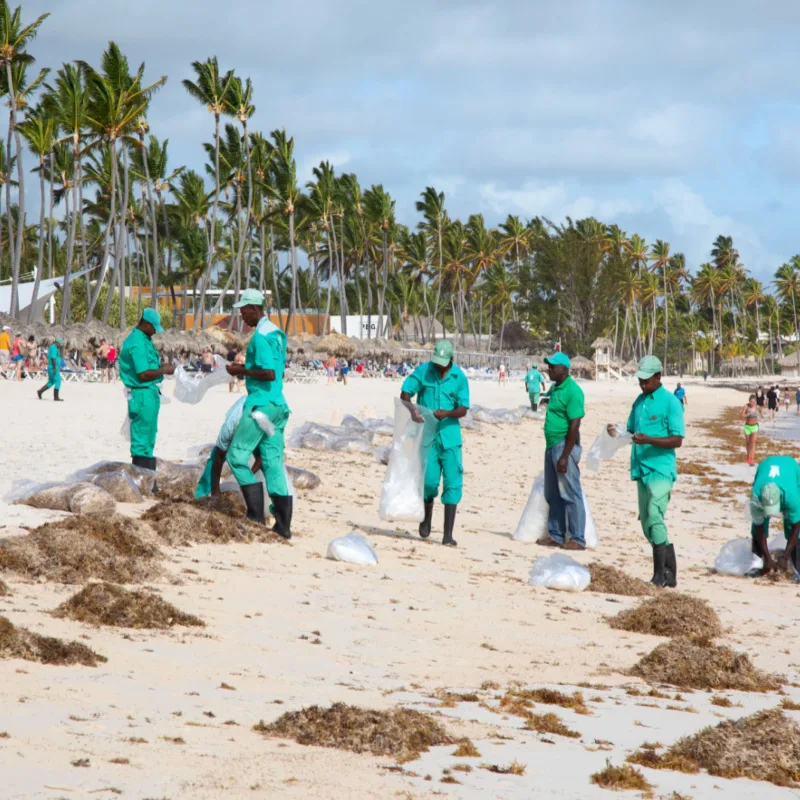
(305, 171)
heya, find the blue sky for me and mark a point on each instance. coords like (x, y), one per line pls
(676, 120)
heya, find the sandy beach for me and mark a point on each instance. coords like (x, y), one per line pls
(287, 628)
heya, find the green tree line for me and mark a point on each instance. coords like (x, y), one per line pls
(112, 205)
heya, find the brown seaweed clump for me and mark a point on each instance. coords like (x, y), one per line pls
(606, 579)
(670, 614)
(399, 732)
(619, 778)
(4, 590)
(22, 643)
(77, 549)
(107, 604)
(763, 747)
(703, 665)
(180, 523)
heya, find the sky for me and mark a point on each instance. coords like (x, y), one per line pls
(673, 119)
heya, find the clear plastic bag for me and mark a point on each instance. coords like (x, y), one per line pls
(496, 416)
(54, 496)
(120, 485)
(736, 557)
(263, 422)
(533, 522)
(382, 454)
(401, 492)
(302, 478)
(353, 549)
(468, 422)
(141, 477)
(528, 413)
(191, 389)
(605, 446)
(315, 436)
(559, 572)
(590, 532)
(86, 498)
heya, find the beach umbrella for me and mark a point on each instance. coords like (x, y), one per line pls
(337, 344)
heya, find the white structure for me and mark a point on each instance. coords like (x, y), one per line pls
(359, 327)
(47, 290)
(605, 368)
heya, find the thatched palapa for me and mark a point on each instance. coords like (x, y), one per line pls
(337, 344)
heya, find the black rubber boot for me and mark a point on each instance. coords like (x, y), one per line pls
(282, 509)
(671, 568)
(40, 392)
(659, 565)
(152, 464)
(56, 398)
(141, 461)
(425, 525)
(449, 524)
(254, 500)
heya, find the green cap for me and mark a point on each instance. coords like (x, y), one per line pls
(154, 318)
(250, 297)
(534, 365)
(771, 499)
(442, 353)
(58, 340)
(558, 359)
(648, 367)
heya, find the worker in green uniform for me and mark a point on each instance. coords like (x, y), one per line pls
(441, 386)
(656, 422)
(53, 371)
(141, 371)
(776, 490)
(208, 486)
(534, 380)
(262, 370)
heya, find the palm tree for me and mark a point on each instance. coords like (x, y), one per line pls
(39, 132)
(379, 208)
(660, 258)
(117, 100)
(706, 286)
(211, 90)
(787, 283)
(14, 39)
(500, 286)
(434, 223)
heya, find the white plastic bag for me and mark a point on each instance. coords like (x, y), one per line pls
(496, 416)
(264, 422)
(559, 572)
(736, 557)
(533, 522)
(401, 493)
(605, 446)
(590, 529)
(314, 436)
(354, 549)
(191, 389)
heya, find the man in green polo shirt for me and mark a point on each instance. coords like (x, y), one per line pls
(562, 477)
(533, 385)
(776, 490)
(141, 371)
(262, 370)
(441, 386)
(656, 422)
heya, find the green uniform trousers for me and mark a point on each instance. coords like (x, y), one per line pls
(534, 398)
(53, 380)
(654, 492)
(445, 465)
(249, 437)
(204, 486)
(143, 407)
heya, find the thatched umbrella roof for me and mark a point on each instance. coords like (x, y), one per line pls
(228, 339)
(581, 364)
(375, 348)
(790, 360)
(336, 343)
(631, 366)
(603, 341)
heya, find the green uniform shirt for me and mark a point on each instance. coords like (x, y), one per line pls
(566, 403)
(138, 354)
(445, 393)
(534, 380)
(267, 350)
(784, 472)
(658, 414)
(53, 359)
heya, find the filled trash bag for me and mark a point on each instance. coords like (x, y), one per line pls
(528, 413)
(353, 549)
(559, 572)
(54, 496)
(605, 446)
(120, 485)
(468, 422)
(86, 498)
(736, 557)
(532, 524)
(590, 532)
(315, 436)
(401, 492)
(142, 478)
(496, 416)
(189, 388)
(302, 478)
(382, 454)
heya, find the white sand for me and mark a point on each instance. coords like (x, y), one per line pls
(425, 618)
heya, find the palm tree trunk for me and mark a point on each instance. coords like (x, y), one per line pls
(112, 224)
(73, 225)
(40, 261)
(17, 259)
(154, 222)
(666, 322)
(50, 224)
(293, 254)
(211, 250)
(274, 270)
(262, 267)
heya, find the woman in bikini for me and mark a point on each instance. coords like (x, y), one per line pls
(750, 417)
